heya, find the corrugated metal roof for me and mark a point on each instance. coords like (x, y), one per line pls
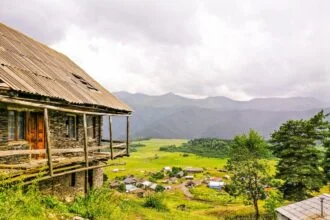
(31, 67)
(307, 209)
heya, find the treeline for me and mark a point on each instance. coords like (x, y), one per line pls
(206, 147)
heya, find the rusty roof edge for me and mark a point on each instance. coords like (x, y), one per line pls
(51, 106)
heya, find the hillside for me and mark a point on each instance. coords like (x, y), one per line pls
(173, 116)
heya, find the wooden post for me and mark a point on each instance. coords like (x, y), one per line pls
(100, 131)
(86, 153)
(48, 147)
(127, 136)
(110, 136)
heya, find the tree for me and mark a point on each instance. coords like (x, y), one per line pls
(300, 161)
(249, 170)
(274, 200)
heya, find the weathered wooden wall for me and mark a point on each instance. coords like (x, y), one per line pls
(58, 137)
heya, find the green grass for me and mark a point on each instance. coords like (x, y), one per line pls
(208, 203)
(150, 159)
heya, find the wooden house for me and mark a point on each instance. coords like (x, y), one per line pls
(51, 114)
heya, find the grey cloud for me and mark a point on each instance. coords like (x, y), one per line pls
(280, 48)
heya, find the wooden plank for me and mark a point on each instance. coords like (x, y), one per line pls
(7, 153)
(48, 147)
(120, 153)
(100, 131)
(51, 107)
(86, 153)
(127, 136)
(110, 137)
(67, 172)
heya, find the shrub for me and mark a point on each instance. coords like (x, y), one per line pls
(51, 202)
(158, 175)
(122, 187)
(155, 202)
(98, 204)
(17, 204)
(274, 200)
(159, 188)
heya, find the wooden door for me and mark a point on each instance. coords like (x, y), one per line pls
(36, 133)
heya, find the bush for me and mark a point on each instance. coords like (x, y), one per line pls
(158, 175)
(175, 171)
(155, 202)
(122, 187)
(159, 188)
(51, 202)
(274, 200)
(17, 204)
(98, 204)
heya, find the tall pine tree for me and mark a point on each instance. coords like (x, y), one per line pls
(300, 161)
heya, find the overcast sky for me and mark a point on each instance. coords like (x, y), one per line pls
(239, 49)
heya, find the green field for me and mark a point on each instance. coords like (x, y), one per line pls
(206, 204)
(150, 159)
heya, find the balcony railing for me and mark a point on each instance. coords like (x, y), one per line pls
(52, 162)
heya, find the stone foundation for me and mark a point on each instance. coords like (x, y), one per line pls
(69, 186)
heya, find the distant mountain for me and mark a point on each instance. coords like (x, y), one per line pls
(174, 116)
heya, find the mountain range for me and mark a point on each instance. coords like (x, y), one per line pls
(174, 116)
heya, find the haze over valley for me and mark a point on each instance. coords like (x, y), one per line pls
(174, 116)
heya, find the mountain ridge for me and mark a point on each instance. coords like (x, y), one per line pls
(173, 116)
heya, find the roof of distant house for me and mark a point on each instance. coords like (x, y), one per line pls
(193, 169)
(216, 184)
(130, 187)
(29, 67)
(307, 209)
(130, 180)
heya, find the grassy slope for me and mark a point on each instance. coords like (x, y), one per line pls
(144, 161)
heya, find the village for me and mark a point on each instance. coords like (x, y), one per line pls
(169, 178)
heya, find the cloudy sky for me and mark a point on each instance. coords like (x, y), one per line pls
(240, 49)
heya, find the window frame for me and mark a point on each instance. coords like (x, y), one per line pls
(16, 126)
(68, 129)
(93, 127)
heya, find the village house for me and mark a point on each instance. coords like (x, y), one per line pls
(314, 208)
(193, 170)
(51, 117)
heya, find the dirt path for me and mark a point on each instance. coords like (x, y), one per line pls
(186, 191)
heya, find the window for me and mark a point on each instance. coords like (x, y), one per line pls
(91, 124)
(73, 180)
(84, 82)
(11, 125)
(71, 127)
(16, 125)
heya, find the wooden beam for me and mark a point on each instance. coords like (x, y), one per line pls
(127, 136)
(7, 153)
(68, 172)
(86, 153)
(51, 107)
(121, 153)
(48, 147)
(110, 136)
(100, 130)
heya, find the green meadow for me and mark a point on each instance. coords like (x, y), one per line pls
(150, 159)
(206, 204)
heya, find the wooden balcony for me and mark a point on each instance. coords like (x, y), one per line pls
(62, 163)
(43, 164)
